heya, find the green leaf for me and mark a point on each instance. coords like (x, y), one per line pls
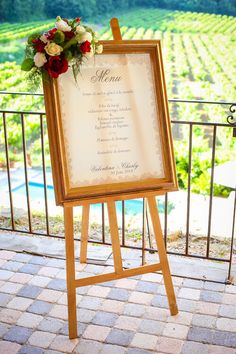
(33, 36)
(45, 75)
(27, 64)
(59, 37)
(68, 55)
(72, 41)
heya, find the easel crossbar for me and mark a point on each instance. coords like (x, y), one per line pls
(114, 276)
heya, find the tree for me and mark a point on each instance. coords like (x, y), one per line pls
(4, 10)
(71, 8)
(55, 8)
(20, 11)
(26, 10)
(38, 9)
(103, 6)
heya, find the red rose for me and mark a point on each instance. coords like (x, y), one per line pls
(77, 19)
(69, 35)
(85, 47)
(39, 45)
(56, 66)
(50, 34)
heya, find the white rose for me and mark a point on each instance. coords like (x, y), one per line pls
(63, 26)
(85, 36)
(40, 59)
(99, 48)
(44, 39)
(53, 49)
(80, 29)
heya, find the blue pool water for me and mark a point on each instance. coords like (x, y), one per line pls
(36, 192)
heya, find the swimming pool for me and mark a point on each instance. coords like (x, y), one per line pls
(36, 192)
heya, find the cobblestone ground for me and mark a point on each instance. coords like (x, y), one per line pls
(125, 316)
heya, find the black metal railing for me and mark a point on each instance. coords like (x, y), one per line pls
(215, 127)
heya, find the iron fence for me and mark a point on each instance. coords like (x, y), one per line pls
(190, 125)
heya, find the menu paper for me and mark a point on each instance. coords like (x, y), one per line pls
(110, 121)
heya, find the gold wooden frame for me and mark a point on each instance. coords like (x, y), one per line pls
(123, 190)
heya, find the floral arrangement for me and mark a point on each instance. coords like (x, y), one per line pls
(69, 43)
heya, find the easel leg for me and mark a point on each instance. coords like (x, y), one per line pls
(144, 230)
(70, 271)
(84, 233)
(111, 207)
(162, 255)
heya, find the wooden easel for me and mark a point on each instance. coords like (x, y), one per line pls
(119, 272)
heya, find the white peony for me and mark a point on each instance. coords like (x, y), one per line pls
(44, 39)
(53, 49)
(80, 29)
(62, 25)
(99, 49)
(85, 36)
(40, 59)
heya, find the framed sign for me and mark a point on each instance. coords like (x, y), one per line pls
(110, 133)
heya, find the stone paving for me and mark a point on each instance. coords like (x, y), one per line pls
(125, 316)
